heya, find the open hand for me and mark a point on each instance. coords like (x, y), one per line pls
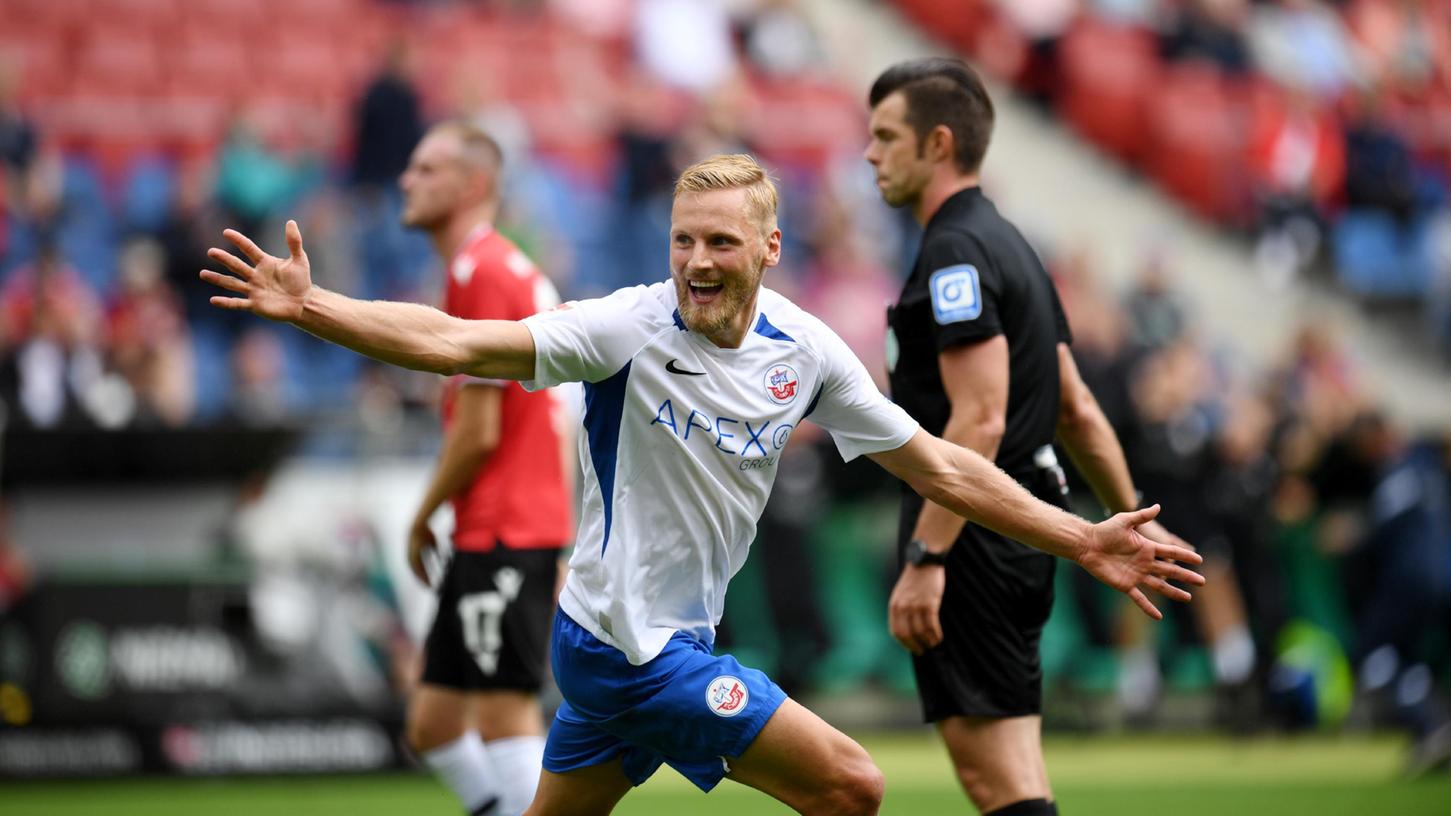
(1117, 554)
(270, 287)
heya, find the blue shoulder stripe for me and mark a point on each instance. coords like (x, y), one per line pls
(679, 323)
(765, 329)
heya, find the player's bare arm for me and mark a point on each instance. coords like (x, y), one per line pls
(467, 444)
(1112, 551)
(975, 378)
(1094, 448)
(403, 334)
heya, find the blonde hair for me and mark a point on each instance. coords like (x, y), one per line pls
(730, 172)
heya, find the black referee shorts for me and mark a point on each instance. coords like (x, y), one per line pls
(998, 597)
(494, 615)
(999, 594)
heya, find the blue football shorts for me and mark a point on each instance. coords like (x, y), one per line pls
(687, 707)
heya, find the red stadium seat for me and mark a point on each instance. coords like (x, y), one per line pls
(233, 19)
(956, 22)
(126, 64)
(156, 14)
(209, 66)
(44, 14)
(1108, 75)
(300, 67)
(43, 63)
(317, 15)
(188, 127)
(1197, 128)
(804, 124)
(110, 129)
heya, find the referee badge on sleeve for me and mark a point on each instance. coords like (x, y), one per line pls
(955, 294)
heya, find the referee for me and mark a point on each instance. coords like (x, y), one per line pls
(978, 354)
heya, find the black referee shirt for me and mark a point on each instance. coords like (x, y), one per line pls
(975, 278)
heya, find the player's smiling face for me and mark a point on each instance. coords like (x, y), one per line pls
(719, 250)
(895, 153)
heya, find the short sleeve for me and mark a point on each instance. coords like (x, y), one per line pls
(1060, 318)
(588, 340)
(964, 286)
(848, 405)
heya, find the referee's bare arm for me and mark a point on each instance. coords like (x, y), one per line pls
(1112, 551)
(1089, 439)
(1095, 449)
(403, 334)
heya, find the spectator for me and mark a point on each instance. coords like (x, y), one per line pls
(1210, 30)
(1155, 315)
(1243, 619)
(259, 390)
(388, 124)
(1403, 44)
(254, 179)
(1398, 577)
(780, 40)
(50, 313)
(18, 140)
(1043, 23)
(687, 44)
(1303, 44)
(1297, 169)
(148, 341)
(1379, 170)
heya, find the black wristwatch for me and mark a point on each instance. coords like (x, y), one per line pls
(918, 555)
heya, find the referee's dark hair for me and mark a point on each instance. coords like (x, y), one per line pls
(942, 91)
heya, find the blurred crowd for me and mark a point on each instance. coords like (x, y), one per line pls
(1322, 128)
(1326, 527)
(1326, 523)
(103, 323)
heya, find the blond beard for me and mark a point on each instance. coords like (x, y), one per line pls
(716, 317)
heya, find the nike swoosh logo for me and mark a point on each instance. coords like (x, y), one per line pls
(670, 366)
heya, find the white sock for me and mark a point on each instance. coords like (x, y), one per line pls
(465, 767)
(517, 761)
(1234, 656)
(1138, 679)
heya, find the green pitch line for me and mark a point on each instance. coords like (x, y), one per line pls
(1118, 776)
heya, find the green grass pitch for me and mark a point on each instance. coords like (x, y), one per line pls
(1115, 776)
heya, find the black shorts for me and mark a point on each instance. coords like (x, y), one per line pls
(494, 615)
(998, 597)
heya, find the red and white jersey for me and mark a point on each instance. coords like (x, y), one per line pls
(520, 495)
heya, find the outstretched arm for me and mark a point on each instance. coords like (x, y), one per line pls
(404, 334)
(1112, 551)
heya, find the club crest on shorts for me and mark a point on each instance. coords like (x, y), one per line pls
(727, 696)
(781, 383)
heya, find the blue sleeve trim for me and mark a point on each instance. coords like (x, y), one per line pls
(814, 399)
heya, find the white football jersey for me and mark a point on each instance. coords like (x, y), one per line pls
(681, 443)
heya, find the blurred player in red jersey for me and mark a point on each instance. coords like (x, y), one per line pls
(475, 717)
